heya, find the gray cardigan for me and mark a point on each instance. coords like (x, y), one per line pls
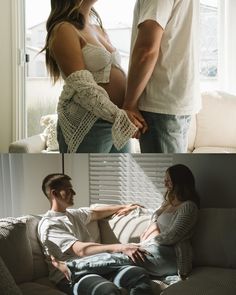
(179, 233)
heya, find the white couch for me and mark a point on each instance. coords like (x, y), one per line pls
(23, 270)
(213, 129)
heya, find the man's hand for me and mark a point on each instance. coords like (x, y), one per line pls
(134, 252)
(128, 209)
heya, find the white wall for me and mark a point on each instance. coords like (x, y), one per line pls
(37, 166)
(5, 76)
(215, 177)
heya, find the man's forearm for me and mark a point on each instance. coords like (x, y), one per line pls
(141, 69)
(143, 60)
(86, 249)
(105, 211)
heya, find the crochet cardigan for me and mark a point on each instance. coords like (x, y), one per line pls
(81, 103)
(178, 234)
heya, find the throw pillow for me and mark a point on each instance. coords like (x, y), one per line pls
(15, 249)
(40, 266)
(124, 229)
(7, 283)
(50, 124)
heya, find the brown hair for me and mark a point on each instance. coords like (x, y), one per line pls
(183, 183)
(54, 181)
(64, 11)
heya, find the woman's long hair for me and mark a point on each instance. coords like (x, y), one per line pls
(64, 11)
(183, 185)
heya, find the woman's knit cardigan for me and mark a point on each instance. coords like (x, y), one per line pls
(81, 103)
(178, 234)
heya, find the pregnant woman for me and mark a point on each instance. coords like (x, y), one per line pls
(78, 50)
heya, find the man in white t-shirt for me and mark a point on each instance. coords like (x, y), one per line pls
(163, 79)
(64, 235)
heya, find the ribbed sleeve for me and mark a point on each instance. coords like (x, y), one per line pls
(183, 221)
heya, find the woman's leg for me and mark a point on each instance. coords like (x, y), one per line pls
(97, 140)
(161, 260)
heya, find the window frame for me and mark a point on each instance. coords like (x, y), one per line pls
(18, 69)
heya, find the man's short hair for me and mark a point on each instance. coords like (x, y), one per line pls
(54, 181)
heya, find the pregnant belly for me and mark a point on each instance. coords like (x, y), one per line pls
(116, 86)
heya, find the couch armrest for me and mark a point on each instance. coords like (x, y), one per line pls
(32, 144)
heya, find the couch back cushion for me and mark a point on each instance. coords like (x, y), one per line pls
(216, 121)
(15, 249)
(124, 229)
(214, 241)
(40, 268)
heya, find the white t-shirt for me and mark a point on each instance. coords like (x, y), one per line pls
(59, 231)
(174, 85)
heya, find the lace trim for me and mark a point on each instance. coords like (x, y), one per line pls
(91, 102)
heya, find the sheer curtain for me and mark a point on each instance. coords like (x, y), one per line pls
(11, 184)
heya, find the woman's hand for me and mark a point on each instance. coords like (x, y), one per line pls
(127, 209)
(152, 231)
(137, 119)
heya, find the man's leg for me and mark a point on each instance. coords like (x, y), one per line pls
(93, 284)
(165, 134)
(135, 279)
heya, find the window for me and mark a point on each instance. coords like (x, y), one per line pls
(209, 44)
(128, 178)
(41, 94)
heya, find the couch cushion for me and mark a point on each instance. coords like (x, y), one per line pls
(7, 283)
(38, 289)
(15, 249)
(214, 150)
(40, 268)
(206, 280)
(214, 240)
(216, 121)
(124, 229)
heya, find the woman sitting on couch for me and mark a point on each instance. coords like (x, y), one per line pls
(166, 239)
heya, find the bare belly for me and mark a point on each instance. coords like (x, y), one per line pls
(116, 87)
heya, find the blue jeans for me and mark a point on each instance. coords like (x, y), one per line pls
(132, 278)
(161, 261)
(165, 134)
(97, 140)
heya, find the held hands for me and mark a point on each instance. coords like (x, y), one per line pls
(127, 209)
(137, 119)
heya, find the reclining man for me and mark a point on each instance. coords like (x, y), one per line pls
(64, 235)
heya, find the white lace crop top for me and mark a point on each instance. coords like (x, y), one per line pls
(163, 220)
(98, 60)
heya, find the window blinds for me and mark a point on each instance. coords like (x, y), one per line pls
(128, 178)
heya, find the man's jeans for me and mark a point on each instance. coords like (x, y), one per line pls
(97, 140)
(133, 278)
(160, 261)
(165, 134)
